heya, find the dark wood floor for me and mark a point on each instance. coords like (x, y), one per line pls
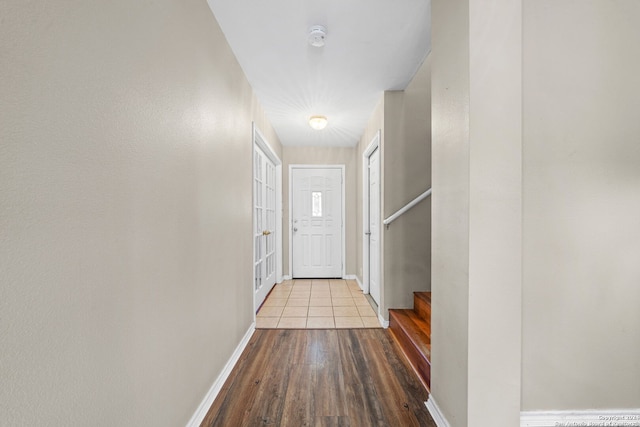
(349, 377)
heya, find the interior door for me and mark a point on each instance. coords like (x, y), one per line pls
(264, 177)
(316, 213)
(374, 225)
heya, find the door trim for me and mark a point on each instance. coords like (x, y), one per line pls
(258, 140)
(373, 145)
(343, 213)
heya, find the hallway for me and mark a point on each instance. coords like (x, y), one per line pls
(316, 304)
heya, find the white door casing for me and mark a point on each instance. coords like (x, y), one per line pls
(371, 224)
(317, 231)
(267, 217)
(374, 225)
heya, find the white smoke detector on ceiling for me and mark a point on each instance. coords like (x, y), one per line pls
(317, 34)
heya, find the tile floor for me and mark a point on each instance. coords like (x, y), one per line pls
(316, 304)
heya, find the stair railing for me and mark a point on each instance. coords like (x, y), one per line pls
(406, 207)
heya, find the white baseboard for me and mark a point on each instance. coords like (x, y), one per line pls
(286, 277)
(357, 279)
(206, 403)
(350, 277)
(384, 323)
(604, 417)
(435, 412)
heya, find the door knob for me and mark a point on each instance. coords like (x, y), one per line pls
(266, 232)
(295, 228)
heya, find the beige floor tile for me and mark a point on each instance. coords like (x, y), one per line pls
(320, 282)
(352, 284)
(341, 295)
(342, 302)
(355, 292)
(270, 311)
(300, 295)
(348, 322)
(282, 287)
(267, 322)
(320, 323)
(298, 302)
(279, 294)
(366, 311)
(275, 302)
(361, 300)
(320, 311)
(320, 302)
(349, 311)
(371, 322)
(338, 282)
(295, 311)
(292, 323)
(302, 282)
(320, 294)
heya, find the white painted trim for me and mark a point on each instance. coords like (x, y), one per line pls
(344, 213)
(258, 139)
(435, 412)
(407, 207)
(353, 277)
(383, 323)
(604, 417)
(211, 395)
(373, 145)
(359, 282)
(286, 277)
(279, 257)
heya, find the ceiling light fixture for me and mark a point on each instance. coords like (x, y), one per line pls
(318, 122)
(317, 33)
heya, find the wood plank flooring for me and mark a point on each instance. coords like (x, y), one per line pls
(351, 378)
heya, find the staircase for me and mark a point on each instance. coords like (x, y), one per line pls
(412, 330)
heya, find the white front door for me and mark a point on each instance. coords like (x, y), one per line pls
(264, 181)
(316, 222)
(374, 225)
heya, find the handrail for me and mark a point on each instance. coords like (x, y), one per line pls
(407, 207)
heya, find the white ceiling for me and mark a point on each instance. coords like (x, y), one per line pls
(371, 46)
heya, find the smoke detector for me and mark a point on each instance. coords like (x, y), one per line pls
(317, 33)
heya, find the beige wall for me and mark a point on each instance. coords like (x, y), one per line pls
(322, 156)
(535, 208)
(581, 322)
(407, 174)
(450, 208)
(476, 279)
(404, 119)
(125, 188)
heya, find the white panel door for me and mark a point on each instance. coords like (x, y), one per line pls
(264, 191)
(316, 213)
(374, 225)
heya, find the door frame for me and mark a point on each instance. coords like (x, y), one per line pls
(366, 285)
(343, 213)
(258, 140)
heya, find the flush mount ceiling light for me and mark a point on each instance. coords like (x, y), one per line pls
(318, 122)
(317, 33)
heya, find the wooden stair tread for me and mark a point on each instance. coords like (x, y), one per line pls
(417, 330)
